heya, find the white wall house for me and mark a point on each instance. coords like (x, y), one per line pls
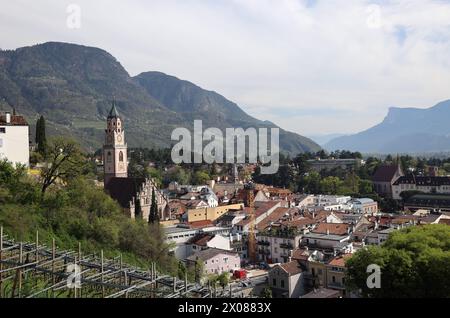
(14, 139)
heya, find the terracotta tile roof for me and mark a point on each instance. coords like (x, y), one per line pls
(200, 224)
(262, 208)
(292, 268)
(15, 120)
(299, 222)
(339, 261)
(300, 254)
(201, 239)
(332, 228)
(273, 217)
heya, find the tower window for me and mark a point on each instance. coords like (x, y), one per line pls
(121, 156)
(109, 157)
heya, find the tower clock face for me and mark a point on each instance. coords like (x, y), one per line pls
(119, 138)
(121, 166)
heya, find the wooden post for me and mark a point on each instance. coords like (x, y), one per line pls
(81, 269)
(19, 271)
(174, 284)
(103, 279)
(1, 264)
(53, 265)
(185, 282)
(75, 285)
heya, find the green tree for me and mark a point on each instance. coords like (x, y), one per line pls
(201, 177)
(266, 293)
(41, 139)
(414, 263)
(331, 185)
(66, 162)
(154, 215)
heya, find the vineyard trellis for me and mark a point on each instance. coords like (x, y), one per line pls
(34, 270)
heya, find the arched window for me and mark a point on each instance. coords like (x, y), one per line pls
(109, 157)
(121, 156)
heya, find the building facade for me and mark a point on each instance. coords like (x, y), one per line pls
(14, 139)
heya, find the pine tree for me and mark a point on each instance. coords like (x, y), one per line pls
(154, 216)
(41, 139)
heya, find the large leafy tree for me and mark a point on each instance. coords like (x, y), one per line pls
(65, 162)
(414, 263)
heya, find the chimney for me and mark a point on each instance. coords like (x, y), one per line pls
(8, 117)
(328, 232)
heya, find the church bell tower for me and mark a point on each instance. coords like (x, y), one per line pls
(115, 162)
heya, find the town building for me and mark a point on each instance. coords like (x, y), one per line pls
(434, 185)
(14, 139)
(384, 178)
(216, 261)
(434, 202)
(286, 280)
(133, 194)
(364, 206)
(276, 246)
(329, 164)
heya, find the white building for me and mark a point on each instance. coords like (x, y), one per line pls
(14, 139)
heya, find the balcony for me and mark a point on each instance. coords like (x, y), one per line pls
(263, 243)
(287, 246)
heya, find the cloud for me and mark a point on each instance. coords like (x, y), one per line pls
(289, 60)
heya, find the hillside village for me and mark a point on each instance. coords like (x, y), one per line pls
(267, 238)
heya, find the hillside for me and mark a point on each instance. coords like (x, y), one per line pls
(73, 85)
(404, 130)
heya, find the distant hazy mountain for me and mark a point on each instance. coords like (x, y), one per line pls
(323, 139)
(73, 85)
(410, 130)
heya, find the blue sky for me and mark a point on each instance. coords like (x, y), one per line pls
(311, 66)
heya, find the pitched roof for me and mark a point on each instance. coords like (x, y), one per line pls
(200, 224)
(292, 268)
(332, 228)
(300, 254)
(15, 121)
(273, 217)
(339, 261)
(201, 239)
(123, 190)
(385, 173)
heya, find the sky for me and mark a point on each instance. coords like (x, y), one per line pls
(311, 66)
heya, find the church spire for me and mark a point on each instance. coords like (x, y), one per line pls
(113, 113)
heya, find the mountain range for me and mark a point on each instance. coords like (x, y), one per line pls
(73, 87)
(404, 130)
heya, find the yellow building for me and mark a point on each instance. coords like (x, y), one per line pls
(212, 214)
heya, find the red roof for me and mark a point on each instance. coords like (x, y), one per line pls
(332, 228)
(201, 224)
(292, 267)
(15, 120)
(340, 260)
